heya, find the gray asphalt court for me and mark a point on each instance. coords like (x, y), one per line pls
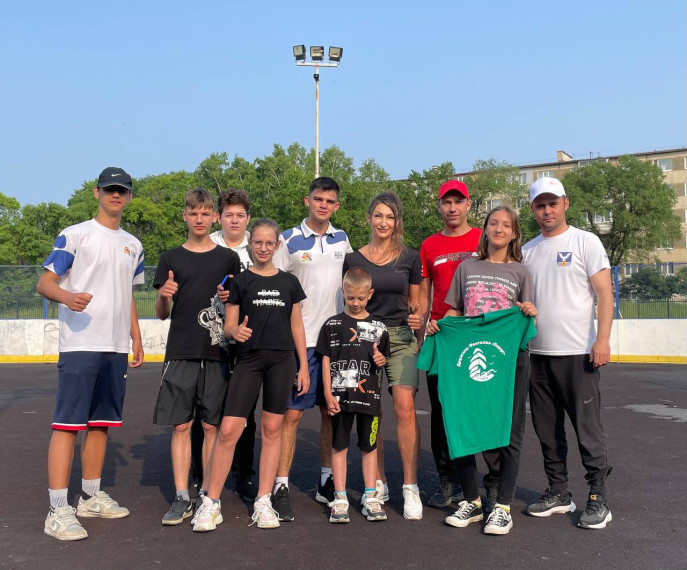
(645, 417)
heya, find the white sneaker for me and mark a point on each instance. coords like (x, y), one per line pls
(208, 515)
(382, 491)
(263, 513)
(412, 505)
(101, 505)
(499, 521)
(372, 508)
(63, 525)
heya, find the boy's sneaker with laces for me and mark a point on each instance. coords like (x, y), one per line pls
(245, 488)
(263, 513)
(339, 511)
(446, 494)
(101, 505)
(551, 503)
(372, 508)
(412, 505)
(492, 496)
(499, 521)
(468, 512)
(208, 515)
(181, 509)
(597, 514)
(382, 491)
(281, 503)
(63, 525)
(325, 493)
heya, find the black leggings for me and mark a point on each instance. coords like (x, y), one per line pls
(504, 462)
(273, 369)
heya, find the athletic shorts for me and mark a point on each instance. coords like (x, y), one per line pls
(401, 366)
(315, 394)
(189, 388)
(366, 426)
(90, 390)
(273, 370)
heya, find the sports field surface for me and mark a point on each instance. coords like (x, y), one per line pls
(645, 417)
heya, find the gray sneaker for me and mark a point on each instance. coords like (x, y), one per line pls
(446, 494)
(597, 514)
(551, 503)
(181, 509)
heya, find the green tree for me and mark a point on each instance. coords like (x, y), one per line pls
(627, 205)
(10, 214)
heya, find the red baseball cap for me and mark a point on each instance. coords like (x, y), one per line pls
(454, 186)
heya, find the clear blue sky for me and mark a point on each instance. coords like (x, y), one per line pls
(157, 86)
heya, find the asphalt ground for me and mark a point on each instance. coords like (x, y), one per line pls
(645, 417)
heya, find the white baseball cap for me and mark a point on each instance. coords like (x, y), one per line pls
(546, 185)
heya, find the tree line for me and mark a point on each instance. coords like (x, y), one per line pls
(631, 197)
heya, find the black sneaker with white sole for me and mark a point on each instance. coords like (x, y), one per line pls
(281, 503)
(245, 488)
(597, 514)
(446, 494)
(181, 509)
(325, 493)
(551, 503)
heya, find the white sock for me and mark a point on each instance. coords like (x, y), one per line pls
(279, 481)
(58, 498)
(90, 486)
(412, 487)
(324, 474)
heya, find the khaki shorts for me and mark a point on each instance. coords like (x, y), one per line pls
(401, 369)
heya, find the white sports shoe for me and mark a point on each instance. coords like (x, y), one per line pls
(63, 525)
(412, 505)
(382, 491)
(263, 513)
(208, 515)
(101, 505)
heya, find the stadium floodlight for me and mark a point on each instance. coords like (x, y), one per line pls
(299, 52)
(335, 53)
(317, 53)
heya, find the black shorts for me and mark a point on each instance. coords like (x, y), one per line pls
(366, 426)
(189, 388)
(273, 369)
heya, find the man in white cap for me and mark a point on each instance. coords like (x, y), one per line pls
(570, 268)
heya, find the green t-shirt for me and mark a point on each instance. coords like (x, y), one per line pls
(475, 359)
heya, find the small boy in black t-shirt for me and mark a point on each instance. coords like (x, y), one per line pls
(354, 350)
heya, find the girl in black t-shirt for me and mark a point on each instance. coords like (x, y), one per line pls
(264, 317)
(396, 276)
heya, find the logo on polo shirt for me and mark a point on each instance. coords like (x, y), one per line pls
(338, 255)
(127, 251)
(564, 258)
(306, 256)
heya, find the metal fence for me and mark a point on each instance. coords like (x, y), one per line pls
(19, 300)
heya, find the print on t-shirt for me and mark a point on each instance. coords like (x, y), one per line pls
(487, 293)
(267, 298)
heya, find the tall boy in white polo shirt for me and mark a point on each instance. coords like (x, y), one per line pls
(314, 252)
(90, 272)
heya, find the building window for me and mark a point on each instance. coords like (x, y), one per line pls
(545, 174)
(521, 202)
(665, 244)
(491, 204)
(461, 178)
(603, 218)
(520, 178)
(631, 268)
(665, 164)
(666, 268)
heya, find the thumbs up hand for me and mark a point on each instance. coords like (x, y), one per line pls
(377, 357)
(169, 289)
(241, 333)
(415, 318)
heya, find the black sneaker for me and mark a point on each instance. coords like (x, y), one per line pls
(446, 494)
(281, 503)
(245, 488)
(181, 509)
(490, 502)
(552, 503)
(597, 514)
(325, 493)
(468, 512)
(193, 490)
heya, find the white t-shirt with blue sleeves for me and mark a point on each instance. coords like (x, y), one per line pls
(317, 262)
(90, 258)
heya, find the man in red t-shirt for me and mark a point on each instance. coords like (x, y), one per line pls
(441, 254)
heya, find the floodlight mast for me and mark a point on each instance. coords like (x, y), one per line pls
(317, 55)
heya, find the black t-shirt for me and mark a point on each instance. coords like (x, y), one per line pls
(389, 302)
(268, 302)
(349, 343)
(196, 327)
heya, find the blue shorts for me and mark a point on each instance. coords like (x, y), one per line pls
(90, 390)
(315, 395)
